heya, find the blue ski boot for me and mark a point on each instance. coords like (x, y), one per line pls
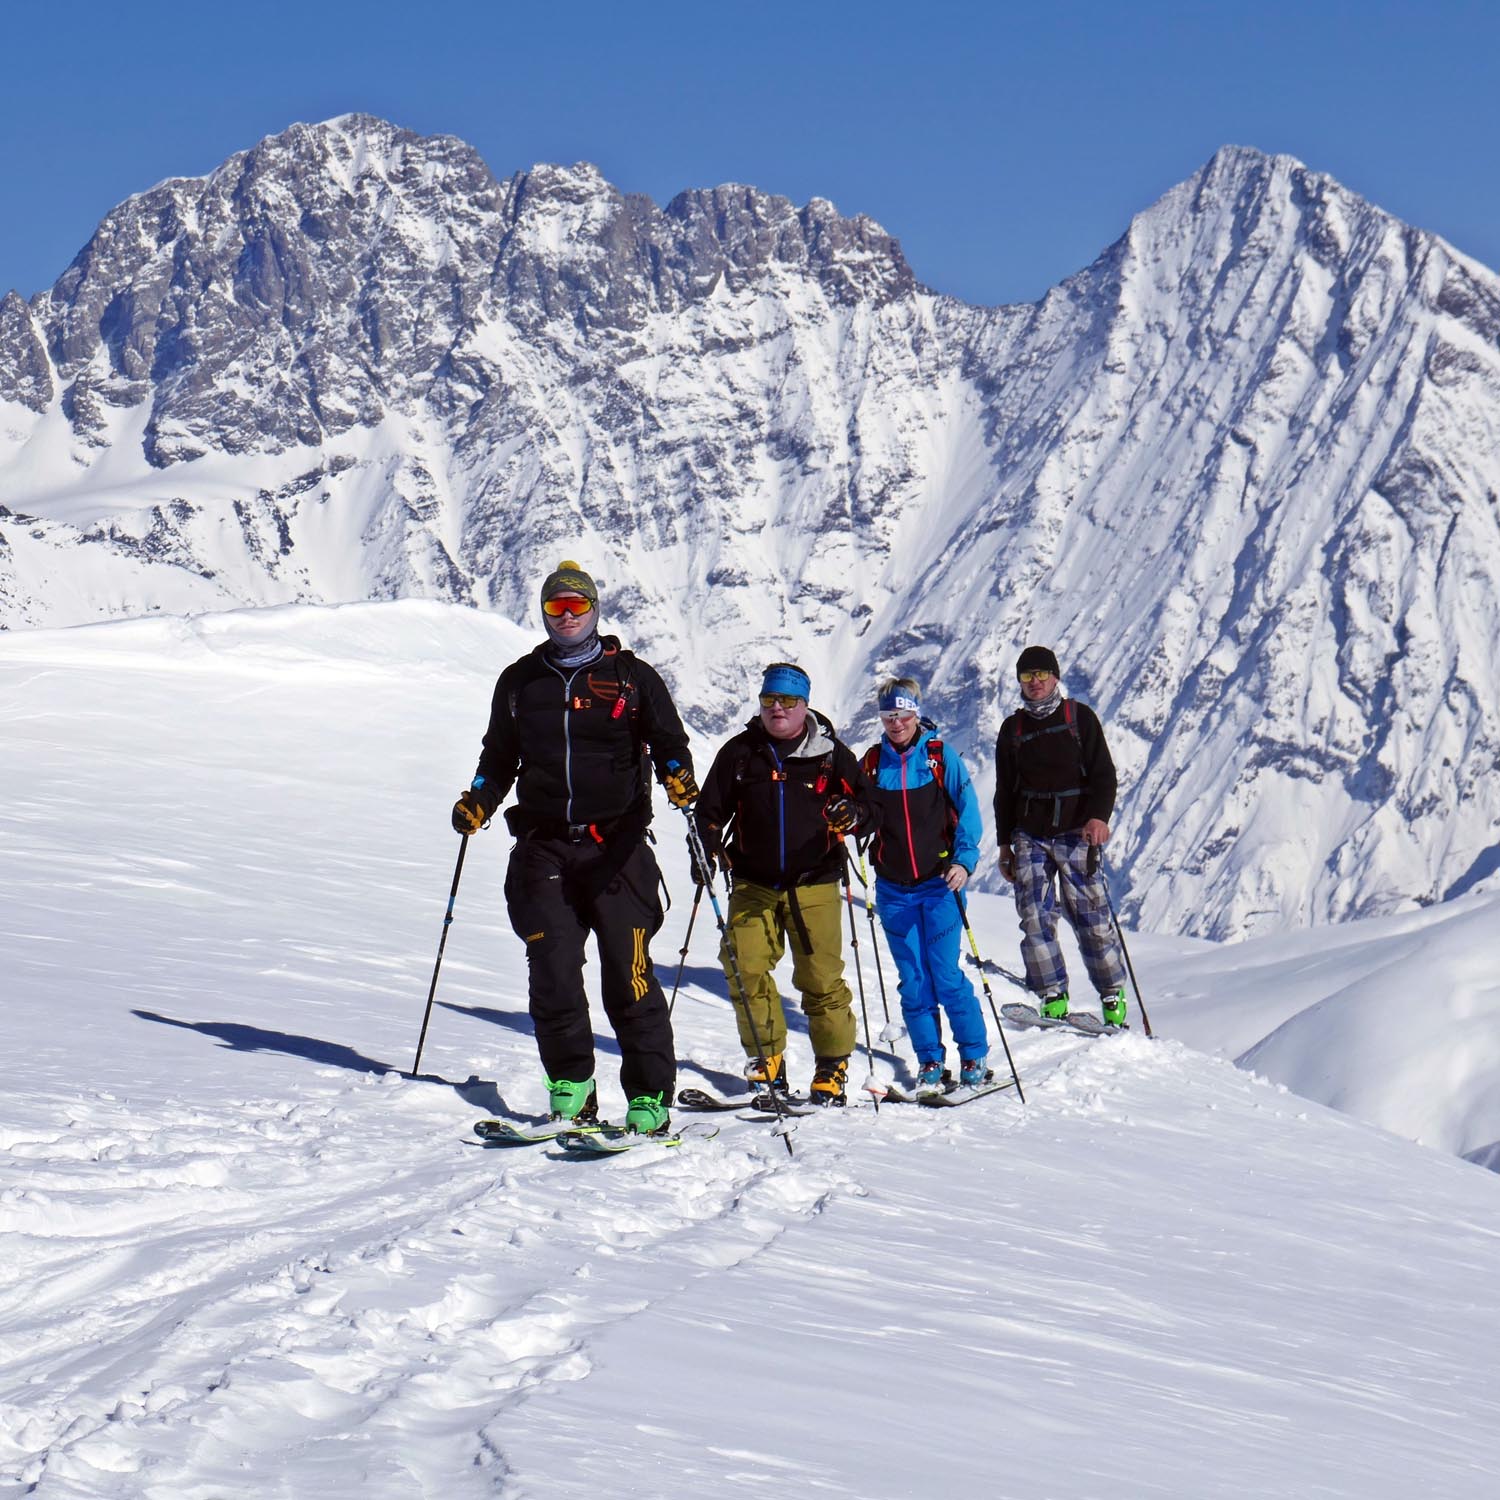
(929, 1078)
(973, 1074)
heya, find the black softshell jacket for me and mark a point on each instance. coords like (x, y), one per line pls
(769, 804)
(572, 741)
(1037, 761)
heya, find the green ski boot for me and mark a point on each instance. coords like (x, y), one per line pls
(1054, 1007)
(1114, 1008)
(648, 1115)
(573, 1101)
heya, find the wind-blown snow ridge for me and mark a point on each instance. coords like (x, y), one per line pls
(1241, 472)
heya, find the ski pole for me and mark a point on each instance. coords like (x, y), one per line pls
(458, 870)
(1095, 858)
(683, 951)
(859, 974)
(889, 1033)
(963, 912)
(737, 983)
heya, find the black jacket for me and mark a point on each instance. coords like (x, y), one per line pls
(1051, 776)
(573, 743)
(768, 805)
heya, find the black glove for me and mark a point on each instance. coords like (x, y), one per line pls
(842, 814)
(682, 790)
(713, 853)
(469, 813)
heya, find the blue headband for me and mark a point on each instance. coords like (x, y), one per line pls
(898, 701)
(792, 681)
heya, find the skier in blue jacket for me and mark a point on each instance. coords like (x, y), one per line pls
(924, 853)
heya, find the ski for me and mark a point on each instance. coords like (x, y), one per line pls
(701, 1100)
(989, 966)
(503, 1133)
(612, 1141)
(1080, 1021)
(895, 1094)
(954, 1097)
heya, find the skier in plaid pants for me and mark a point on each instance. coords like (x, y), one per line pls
(1054, 795)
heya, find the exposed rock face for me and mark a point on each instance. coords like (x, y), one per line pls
(25, 376)
(1242, 472)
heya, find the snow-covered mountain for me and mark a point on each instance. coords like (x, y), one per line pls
(1242, 471)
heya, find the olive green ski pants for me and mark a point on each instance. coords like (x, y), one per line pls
(760, 926)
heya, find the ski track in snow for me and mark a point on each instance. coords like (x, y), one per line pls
(475, 1277)
(182, 1281)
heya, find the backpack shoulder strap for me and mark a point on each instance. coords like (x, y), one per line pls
(935, 763)
(825, 768)
(1071, 718)
(628, 701)
(939, 768)
(871, 762)
(741, 761)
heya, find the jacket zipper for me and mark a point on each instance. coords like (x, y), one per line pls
(781, 806)
(567, 683)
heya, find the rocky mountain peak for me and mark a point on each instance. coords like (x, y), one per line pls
(320, 278)
(25, 374)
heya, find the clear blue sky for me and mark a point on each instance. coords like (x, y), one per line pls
(1004, 144)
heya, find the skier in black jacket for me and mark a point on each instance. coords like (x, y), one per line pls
(784, 792)
(572, 725)
(1054, 796)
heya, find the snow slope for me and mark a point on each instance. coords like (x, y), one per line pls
(247, 1257)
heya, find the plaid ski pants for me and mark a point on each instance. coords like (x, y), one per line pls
(1046, 868)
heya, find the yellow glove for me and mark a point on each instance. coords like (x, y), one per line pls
(469, 814)
(682, 790)
(841, 815)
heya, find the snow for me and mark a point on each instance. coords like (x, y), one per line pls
(246, 1256)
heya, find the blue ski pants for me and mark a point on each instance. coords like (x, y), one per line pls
(923, 928)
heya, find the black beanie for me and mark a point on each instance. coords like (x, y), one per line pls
(1037, 659)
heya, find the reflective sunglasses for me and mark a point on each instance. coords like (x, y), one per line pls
(1037, 676)
(896, 716)
(781, 700)
(568, 605)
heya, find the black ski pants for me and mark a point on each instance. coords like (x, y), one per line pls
(557, 893)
